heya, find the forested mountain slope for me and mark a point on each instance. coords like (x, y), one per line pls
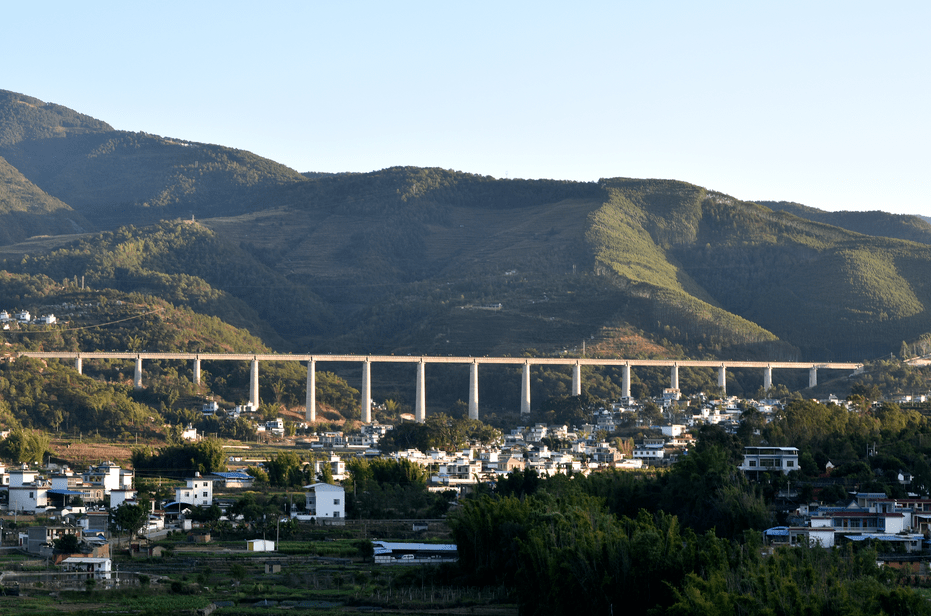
(116, 177)
(882, 224)
(189, 265)
(423, 260)
(25, 210)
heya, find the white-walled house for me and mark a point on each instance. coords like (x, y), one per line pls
(197, 492)
(763, 459)
(325, 501)
(109, 476)
(120, 496)
(88, 567)
(27, 491)
(29, 497)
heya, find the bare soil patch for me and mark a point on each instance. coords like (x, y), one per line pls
(82, 454)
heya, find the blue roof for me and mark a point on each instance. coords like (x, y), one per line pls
(386, 547)
(777, 531)
(66, 492)
(234, 475)
(878, 537)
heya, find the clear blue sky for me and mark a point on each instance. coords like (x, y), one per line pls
(822, 103)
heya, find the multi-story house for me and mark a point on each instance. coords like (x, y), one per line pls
(198, 492)
(325, 502)
(765, 459)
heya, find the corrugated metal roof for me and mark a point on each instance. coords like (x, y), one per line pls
(386, 547)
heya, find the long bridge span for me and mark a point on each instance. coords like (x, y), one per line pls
(420, 361)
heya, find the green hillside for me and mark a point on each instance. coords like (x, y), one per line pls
(24, 118)
(119, 178)
(426, 260)
(188, 265)
(882, 224)
(26, 210)
(115, 178)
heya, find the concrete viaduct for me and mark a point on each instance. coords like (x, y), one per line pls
(420, 361)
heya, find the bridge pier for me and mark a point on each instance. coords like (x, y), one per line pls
(79, 364)
(577, 379)
(674, 377)
(722, 379)
(137, 376)
(197, 372)
(254, 383)
(767, 378)
(626, 378)
(813, 377)
(310, 411)
(420, 404)
(367, 391)
(473, 390)
(525, 390)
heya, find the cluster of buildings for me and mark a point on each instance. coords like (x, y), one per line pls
(103, 489)
(901, 522)
(23, 317)
(546, 449)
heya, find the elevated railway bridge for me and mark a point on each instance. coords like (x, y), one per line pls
(420, 361)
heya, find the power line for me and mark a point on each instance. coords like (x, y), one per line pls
(74, 329)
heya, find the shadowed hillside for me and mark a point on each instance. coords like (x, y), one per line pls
(883, 224)
(426, 260)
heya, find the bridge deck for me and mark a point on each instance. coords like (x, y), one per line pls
(439, 359)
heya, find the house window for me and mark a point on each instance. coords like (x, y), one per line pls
(335, 501)
(752, 463)
(204, 494)
(790, 463)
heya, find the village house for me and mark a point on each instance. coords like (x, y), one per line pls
(198, 492)
(27, 491)
(336, 464)
(867, 517)
(325, 502)
(765, 459)
(41, 539)
(88, 567)
(234, 479)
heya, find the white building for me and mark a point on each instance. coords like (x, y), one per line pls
(27, 492)
(260, 545)
(763, 459)
(29, 497)
(275, 426)
(673, 431)
(91, 568)
(120, 496)
(325, 501)
(109, 476)
(649, 452)
(197, 492)
(336, 464)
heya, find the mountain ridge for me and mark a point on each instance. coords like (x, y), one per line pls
(402, 259)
